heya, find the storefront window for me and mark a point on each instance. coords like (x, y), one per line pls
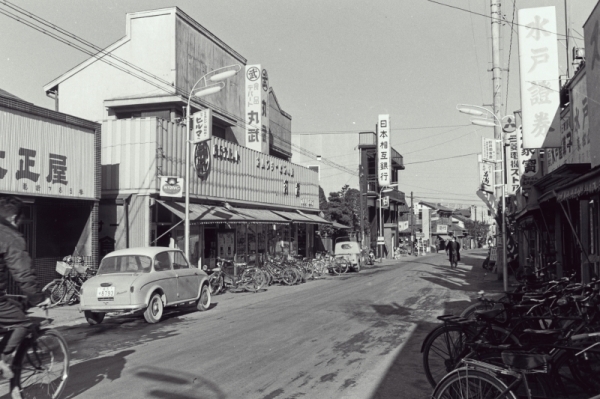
(252, 235)
(226, 244)
(301, 250)
(241, 243)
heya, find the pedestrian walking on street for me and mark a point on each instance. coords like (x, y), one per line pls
(453, 251)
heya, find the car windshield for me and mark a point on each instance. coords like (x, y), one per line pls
(125, 264)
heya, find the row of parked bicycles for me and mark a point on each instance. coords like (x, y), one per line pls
(541, 340)
(281, 270)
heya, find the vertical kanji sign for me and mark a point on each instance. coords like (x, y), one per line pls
(202, 130)
(384, 151)
(257, 108)
(513, 176)
(538, 62)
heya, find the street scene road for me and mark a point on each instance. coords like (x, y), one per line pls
(352, 336)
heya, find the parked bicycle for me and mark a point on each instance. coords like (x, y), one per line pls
(74, 274)
(41, 362)
(235, 276)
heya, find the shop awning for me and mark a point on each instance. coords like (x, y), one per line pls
(340, 226)
(262, 215)
(444, 237)
(294, 217)
(315, 218)
(403, 208)
(584, 185)
(200, 213)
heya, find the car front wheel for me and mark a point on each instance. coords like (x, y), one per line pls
(203, 302)
(154, 311)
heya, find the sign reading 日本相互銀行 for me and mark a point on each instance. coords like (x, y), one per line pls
(384, 151)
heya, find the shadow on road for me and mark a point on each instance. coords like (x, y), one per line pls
(87, 374)
(176, 384)
(405, 377)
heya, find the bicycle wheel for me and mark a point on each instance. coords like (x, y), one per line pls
(215, 284)
(442, 351)
(42, 365)
(473, 384)
(58, 292)
(339, 266)
(572, 373)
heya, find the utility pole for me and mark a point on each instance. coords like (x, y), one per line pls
(412, 225)
(362, 190)
(496, 15)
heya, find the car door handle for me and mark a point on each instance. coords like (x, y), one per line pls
(177, 275)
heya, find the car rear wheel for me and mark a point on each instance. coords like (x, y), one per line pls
(154, 311)
(203, 302)
(94, 318)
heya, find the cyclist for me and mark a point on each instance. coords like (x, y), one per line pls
(15, 259)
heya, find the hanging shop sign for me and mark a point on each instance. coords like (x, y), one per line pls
(257, 108)
(488, 151)
(538, 62)
(202, 126)
(226, 152)
(171, 186)
(385, 202)
(441, 228)
(384, 151)
(513, 177)
(529, 163)
(486, 176)
(403, 225)
(42, 158)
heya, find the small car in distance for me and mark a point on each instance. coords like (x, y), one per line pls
(144, 279)
(350, 250)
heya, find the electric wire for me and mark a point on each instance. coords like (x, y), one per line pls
(509, 53)
(442, 159)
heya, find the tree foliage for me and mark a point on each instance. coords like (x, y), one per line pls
(476, 228)
(341, 206)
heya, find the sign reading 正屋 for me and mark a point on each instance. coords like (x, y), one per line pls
(202, 127)
(43, 158)
(538, 62)
(384, 151)
(257, 108)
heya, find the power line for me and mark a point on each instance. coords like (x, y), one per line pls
(443, 142)
(332, 132)
(442, 159)
(509, 53)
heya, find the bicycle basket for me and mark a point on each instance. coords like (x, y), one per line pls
(63, 268)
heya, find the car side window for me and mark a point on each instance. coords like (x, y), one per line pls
(162, 262)
(179, 261)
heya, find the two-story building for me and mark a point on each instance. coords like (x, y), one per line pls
(246, 198)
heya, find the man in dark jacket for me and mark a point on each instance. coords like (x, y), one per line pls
(453, 251)
(14, 259)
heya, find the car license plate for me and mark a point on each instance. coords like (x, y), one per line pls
(106, 293)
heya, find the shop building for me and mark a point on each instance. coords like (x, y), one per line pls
(370, 192)
(246, 198)
(52, 161)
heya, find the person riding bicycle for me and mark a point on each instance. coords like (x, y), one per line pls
(15, 259)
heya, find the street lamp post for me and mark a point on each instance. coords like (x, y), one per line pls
(383, 189)
(227, 72)
(496, 124)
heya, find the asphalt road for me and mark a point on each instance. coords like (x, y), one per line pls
(352, 336)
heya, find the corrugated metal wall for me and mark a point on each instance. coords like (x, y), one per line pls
(139, 221)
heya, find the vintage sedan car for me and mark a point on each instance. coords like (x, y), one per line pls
(144, 279)
(350, 250)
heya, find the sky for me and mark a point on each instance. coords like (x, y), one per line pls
(335, 66)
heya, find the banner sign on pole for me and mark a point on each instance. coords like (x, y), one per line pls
(202, 130)
(488, 152)
(511, 154)
(385, 202)
(384, 151)
(486, 176)
(538, 64)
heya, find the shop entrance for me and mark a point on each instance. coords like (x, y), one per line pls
(210, 247)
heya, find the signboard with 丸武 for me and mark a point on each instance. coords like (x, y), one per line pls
(538, 62)
(257, 108)
(46, 159)
(384, 151)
